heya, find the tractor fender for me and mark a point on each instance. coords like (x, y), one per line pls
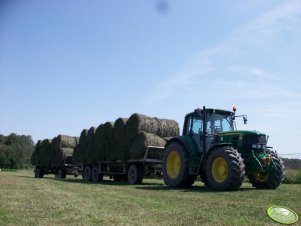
(213, 147)
(181, 140)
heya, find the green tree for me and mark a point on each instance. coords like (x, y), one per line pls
(15, 151)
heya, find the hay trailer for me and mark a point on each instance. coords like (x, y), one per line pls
(55, 156)
(60, 171)
(132, 170)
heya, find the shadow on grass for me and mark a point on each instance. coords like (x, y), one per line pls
(151, 186)
(193, 188)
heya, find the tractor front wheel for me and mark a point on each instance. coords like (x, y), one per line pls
(175, 166)
(225, 169)
(270, 180)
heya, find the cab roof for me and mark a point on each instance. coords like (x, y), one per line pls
(212, 110)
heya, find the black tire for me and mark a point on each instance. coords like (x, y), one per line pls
(225, 169)
(135, 174)
(61, 174)
(271, 180)
(39, 172)
(87, 175)
(95, 175)
(175, 166)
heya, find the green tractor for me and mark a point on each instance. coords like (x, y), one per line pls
(212, 148)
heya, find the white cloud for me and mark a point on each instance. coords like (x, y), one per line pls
(258, 33)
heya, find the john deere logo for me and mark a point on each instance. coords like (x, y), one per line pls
(282, 215)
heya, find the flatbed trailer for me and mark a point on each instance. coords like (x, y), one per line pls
(60, 171)
(133, 170)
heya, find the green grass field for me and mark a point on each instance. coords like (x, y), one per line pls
(29, 201)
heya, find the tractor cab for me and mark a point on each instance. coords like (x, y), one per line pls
(205, 127)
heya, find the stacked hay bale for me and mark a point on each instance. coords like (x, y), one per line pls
(124, 139)
(79, 151)
(61, 147)
(143, 131)
(121, 147)
(52, 152)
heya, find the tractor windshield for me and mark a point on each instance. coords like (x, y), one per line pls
(217, 123)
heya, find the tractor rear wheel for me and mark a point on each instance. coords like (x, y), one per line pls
(225, 169)
(270, 180)
(175, 166)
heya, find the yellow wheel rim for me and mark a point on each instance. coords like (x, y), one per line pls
(219, 169)
(173, 164)
(260, 177)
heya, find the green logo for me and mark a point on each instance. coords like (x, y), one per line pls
(282, 215)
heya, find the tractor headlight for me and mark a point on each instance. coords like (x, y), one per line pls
(259, 146)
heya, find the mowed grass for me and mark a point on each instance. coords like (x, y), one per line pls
(29, 201)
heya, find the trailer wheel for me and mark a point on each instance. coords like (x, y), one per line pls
(135, 174)
(39, 172)
(61, 174)
(95, 175)
(87, 175)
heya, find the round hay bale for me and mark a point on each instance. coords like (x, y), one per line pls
(64, 141)
(167, 128)
(142, 141)
(160, 127)
(107, 143)
(45, 157)
(98, 149)
(121, 149)
(60, 143)
(79, 153)
(90, 155)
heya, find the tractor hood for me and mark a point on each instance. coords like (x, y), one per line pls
(241, 132)
(244, 140)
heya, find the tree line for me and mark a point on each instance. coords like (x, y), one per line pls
(15, 151)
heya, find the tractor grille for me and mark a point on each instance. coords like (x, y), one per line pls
(249, 140)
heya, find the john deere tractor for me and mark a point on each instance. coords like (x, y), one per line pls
(211, 147)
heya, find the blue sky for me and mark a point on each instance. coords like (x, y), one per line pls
(69, 65)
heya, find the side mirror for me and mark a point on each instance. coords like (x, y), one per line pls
(245, 119)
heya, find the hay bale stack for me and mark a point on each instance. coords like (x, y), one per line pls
(142, 141)
(61, 147)
(124, 139)
(121, 147)
(160, 127)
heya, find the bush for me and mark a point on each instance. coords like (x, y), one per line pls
(292, 176)
(15, 151)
